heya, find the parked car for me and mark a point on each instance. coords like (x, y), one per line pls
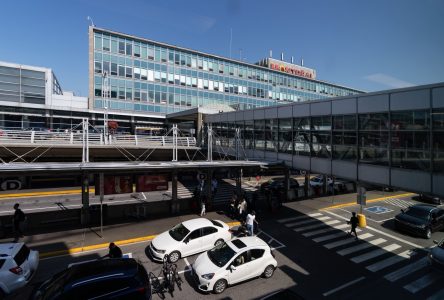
(188, 238)
(233, 262)
(420, 219)
(100, 279)
(17, 266)
(436, 255)
(431, 199)
(278, 184)
(319, 181)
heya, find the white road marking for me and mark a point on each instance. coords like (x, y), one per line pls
(306, 222)
(380, 232)
(375, 253)
(343, 286)
(347, 241)
(329, 237)
(316, 232)
(342, 226)
(281, 244)
(298, 229)
(389, 261)
(361, 246)
(299, 217)
(410, 268)
(422, 282)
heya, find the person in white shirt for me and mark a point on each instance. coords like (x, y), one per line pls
(251, 218)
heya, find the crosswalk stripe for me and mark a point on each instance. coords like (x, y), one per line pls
(342, 226)
(375, 253)
(306, 222)
(410, 268)
(422, 282)
(311, 233)
(299, 229)
(299, 217)
(322, 224)
(389, 261)
(328, 237)
(347, 241)
(361, 246)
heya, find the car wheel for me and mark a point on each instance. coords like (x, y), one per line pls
(269, 271)
(218, 242)
(174, 257)
(220, 286)
(428, 233)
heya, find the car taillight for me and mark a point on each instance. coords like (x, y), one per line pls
(141, 290)
(16, 270)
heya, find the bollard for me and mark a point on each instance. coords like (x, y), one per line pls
(361, 221)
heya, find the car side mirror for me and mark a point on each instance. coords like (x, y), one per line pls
(232, 268)
(435, 241)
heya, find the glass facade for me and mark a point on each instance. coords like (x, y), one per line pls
(150, 77)
(22, 85)
(400, 139)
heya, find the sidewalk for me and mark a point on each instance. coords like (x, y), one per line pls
(79, 240)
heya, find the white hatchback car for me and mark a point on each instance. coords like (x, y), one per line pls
(232, 262)
(188, 238)
(17, 266)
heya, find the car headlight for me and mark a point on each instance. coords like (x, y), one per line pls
(208, 276)
(161, 251)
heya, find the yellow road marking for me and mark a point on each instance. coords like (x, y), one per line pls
(105, 245)
(47, 193)
(368, 201)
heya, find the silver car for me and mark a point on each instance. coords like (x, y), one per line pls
(17, 266)
(436, 255)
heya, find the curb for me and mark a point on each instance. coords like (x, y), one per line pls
(101, 246)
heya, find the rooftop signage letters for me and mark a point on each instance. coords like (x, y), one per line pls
(292, 69)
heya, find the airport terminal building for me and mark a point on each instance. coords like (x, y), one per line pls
(142, 81)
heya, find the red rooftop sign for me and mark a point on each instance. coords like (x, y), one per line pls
(291, 69)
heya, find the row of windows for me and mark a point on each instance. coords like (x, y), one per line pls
(145, 51)
(368, 138)
(202, 80)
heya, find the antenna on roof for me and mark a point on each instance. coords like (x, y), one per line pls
(90, 19)
(271, 53)
(231, 39)
(302, 62)
(282, 56)
(292, 60)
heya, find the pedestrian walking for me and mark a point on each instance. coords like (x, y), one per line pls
(232, 208)
(354, 223)
(243, 208)
(250, 220)
(114, 251)
(202, 206)
(18, 221)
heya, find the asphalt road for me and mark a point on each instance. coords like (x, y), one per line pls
(316, 259)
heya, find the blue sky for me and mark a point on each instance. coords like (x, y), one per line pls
(368, 45)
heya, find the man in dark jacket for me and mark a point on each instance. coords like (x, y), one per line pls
(18, 220)
(354, 223)
(114, 251)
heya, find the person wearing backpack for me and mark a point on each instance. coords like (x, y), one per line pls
(18, 222)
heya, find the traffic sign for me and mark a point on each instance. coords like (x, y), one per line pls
(361, 197)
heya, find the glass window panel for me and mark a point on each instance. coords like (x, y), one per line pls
(410, 120)
(259, 134)
(377, 121)
(438, 152)
(285, 135)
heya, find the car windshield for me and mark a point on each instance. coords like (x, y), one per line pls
(418, 213)
(179, 232)
(221, 254)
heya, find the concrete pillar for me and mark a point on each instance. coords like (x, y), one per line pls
(324, 184)
(287, 183)
(306, 184)
(199, 132)
(175, 204)
(239, 183)
(85, 217)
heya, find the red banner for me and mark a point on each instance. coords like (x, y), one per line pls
(150, 183)
(115, 185)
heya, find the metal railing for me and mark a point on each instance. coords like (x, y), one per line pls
(75, 138)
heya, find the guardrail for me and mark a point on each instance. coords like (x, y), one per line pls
(76, 138)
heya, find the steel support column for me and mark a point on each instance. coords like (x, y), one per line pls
(175, 204)
(85, 216)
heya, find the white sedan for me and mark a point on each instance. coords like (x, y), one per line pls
(188, 238)
(232, 262)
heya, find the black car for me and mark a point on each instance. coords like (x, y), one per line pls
(100, 279)
(420, 219)
(277, 184)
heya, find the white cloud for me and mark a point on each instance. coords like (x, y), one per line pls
(388, 80)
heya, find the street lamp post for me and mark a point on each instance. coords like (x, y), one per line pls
(105, 97)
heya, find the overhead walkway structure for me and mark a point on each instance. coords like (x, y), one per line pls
(391, 138)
